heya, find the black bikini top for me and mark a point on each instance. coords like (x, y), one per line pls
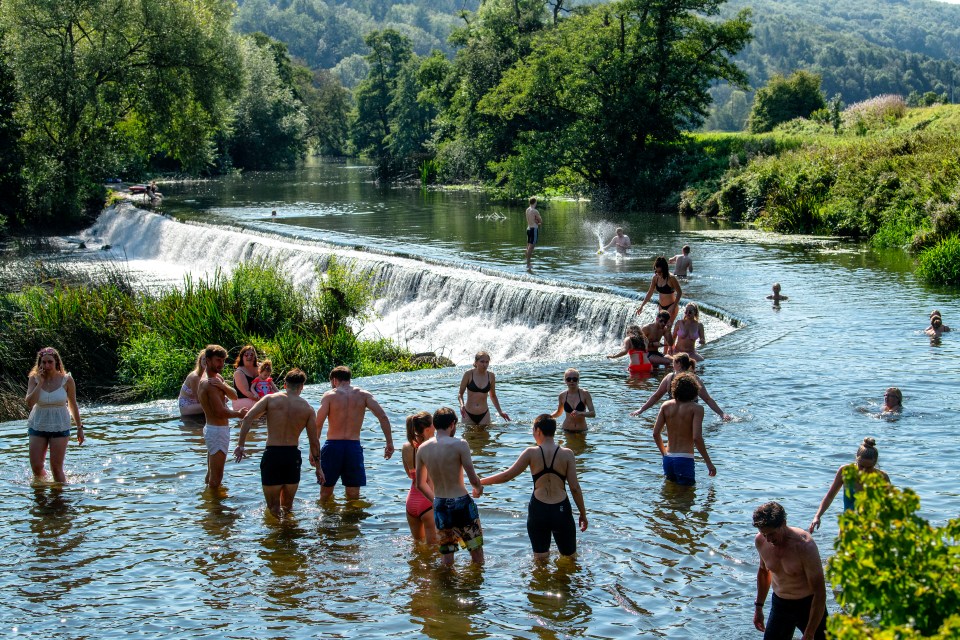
(568, 408)
(251, 395)
(550, 469)
(472, 386)
(665, 289)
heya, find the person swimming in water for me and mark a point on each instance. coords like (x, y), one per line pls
(892, 400)
(936, 327)
(867, 457)
(775, 296)
(475, 409)
(577, 414)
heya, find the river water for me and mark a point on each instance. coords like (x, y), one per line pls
(133, 545)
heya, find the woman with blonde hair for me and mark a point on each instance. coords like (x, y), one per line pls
(52, 399)
(892, 400)
(867, 456)
(187, 400)
(419, 508)
(687, 331)
(575, 402)
(479, 383)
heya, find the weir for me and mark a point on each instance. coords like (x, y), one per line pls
(451, 309)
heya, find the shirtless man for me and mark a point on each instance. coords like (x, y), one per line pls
(621, 241)
(341, 455)
(533, 228)
(775, 296)
(287, 416)
(681, 362)
(658, 330)
(683, 418)
(444, 459)
(789, 559)
(212, 394)
(683, 262)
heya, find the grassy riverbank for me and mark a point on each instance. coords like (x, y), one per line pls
(890, 175)
(125, 345)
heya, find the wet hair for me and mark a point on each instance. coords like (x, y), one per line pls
(686, 249)
(686, 362)
(935, 312)
(444, 418)
(48, 351)
(533, 200)
(198, 367)
(295, 378)
(247, 347)
(896, 393)
(868, 450)
(637, 341)
(696, 310)
(661, 265)
(684, 387)
(264, 364)
(619, 229)
(576, 371)
(776, 286)
(546, 424)
(769, 516)
(214, 351)
(341, 373)
(479, 355)
(416, 424)
(664, 315)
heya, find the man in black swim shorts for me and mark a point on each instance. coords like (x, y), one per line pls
(533, 228)
(287, 416)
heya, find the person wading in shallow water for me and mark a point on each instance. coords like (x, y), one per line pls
(52, 399)
(533, 229)
(212, 394)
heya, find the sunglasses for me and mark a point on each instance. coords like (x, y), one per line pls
(572, 379)
(689, 313)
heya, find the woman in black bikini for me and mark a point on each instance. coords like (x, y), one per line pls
(549, 512)
(247, 368)
(478, 383)
(667, 286)
(575, 402)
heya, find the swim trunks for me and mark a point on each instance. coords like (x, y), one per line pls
(280, 465)
(533, 234)
(458, 524)
(217, 439)
(787, 615)
(544, 520)
(678, 467)
(343, 459)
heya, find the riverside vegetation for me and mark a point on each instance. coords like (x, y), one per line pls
(128, 345)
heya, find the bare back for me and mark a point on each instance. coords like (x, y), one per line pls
(684, 422)
(683, 265)
(344, 408)
(287, 417)
(446, 459)
(550, 488)
(533, 217)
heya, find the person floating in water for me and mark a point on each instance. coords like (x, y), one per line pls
(892, 400)
(621, 241)
(683, 419)
(683, 263)
(790, 562)
(775, 296)
(867, 456)
(533, 228)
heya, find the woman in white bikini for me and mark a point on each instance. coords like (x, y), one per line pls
(52, 399)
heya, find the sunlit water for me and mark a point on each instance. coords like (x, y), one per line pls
(133, 545)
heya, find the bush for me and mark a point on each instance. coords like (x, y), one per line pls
(146, 363)
(897, 575)
(941, 263)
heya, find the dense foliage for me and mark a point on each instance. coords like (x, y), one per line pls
(785, 98)
(124, 344)
(897, 575)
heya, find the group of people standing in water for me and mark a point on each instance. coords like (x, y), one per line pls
(439, 509)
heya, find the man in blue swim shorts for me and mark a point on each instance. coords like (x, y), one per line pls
(683, 419)
(341, 456)
(444, 459)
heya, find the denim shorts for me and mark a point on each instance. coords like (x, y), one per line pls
(49, 434)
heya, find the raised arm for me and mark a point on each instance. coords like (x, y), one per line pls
(381, 415)
(655, 398)
(493, 396)
(827, 500)
(33, 391)
(516, 469)
(698, 440)
(574, 483)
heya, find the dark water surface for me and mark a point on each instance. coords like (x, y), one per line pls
(134, 546)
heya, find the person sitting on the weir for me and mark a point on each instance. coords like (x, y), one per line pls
(775, 296)
(658, 330)
(621, 241)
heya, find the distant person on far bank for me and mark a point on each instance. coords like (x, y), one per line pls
(533, 229)
(287, 416)
(682, 417)
(341, 457)
(444, 459)
(212, 394)
(790, 562)
(683, 263)
(621, 242)
(52, 399)
(775, 296)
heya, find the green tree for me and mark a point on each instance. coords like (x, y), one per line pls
(11, 159)
(600, 95)
(898, 575)
(84, 67)
(786, 98)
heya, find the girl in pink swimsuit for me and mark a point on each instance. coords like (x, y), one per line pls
(419, 509)
(688, 331)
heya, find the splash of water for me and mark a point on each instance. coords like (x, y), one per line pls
(603, 230)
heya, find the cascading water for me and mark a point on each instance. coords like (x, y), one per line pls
(450, 309)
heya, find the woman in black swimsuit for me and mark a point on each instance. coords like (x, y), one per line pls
(549, 512)
(246, 370)
(667, 286)
(479, 382)
(576, 402)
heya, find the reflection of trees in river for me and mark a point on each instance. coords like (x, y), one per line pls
(281, 552)
(445, 601)
(675, 520)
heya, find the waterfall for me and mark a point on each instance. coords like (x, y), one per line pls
(451, 309)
